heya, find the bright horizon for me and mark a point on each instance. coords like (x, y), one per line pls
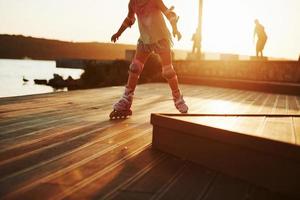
(227, 25)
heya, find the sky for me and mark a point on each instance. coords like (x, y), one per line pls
(227, 24)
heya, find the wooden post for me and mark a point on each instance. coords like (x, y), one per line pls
(197, 37)
(199, 29)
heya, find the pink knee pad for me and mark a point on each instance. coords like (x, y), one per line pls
(136, 67)
(168, 72)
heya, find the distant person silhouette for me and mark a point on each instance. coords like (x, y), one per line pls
(154, 37)
(196, 42)
(261, 38)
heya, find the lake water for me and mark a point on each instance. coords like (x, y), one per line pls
(13, 71)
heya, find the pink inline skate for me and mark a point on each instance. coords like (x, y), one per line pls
(122, 107)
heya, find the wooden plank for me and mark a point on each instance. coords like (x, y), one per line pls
(248, 125)
(198, 102)
(268, 106)
(250, 103)
(151, 182)
(292, 105)
(275, 128)
(262, 102)
(227, 123)
(297, 98)
(263, 194)
(244, 125)
(227, 188)
(296, 123)
(258, 102)
(281, 106)
(193, 183)
(219, 105)
(280, 129)
(196, 106)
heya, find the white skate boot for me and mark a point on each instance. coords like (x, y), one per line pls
(122, 107)
(180, 103)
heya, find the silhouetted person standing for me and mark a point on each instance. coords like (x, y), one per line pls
(261, 38)
(196, 42)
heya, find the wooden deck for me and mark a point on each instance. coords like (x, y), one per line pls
(63, 146)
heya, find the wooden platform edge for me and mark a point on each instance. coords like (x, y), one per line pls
(262, 86)
(267, 163)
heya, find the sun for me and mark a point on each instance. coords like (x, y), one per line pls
(227, 27)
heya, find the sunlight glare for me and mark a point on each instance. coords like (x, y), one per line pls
(227, 25)
(220, 106)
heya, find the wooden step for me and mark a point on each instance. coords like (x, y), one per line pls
(249, 147)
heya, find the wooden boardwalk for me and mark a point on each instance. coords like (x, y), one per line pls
(63, 146)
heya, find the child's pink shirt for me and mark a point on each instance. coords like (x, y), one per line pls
(151, 22)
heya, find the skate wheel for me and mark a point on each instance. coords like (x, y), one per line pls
(120, 114)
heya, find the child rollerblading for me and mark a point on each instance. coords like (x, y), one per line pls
(154, 37)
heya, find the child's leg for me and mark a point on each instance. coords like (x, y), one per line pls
(135, 69)
(168, 71)
(169, 74)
